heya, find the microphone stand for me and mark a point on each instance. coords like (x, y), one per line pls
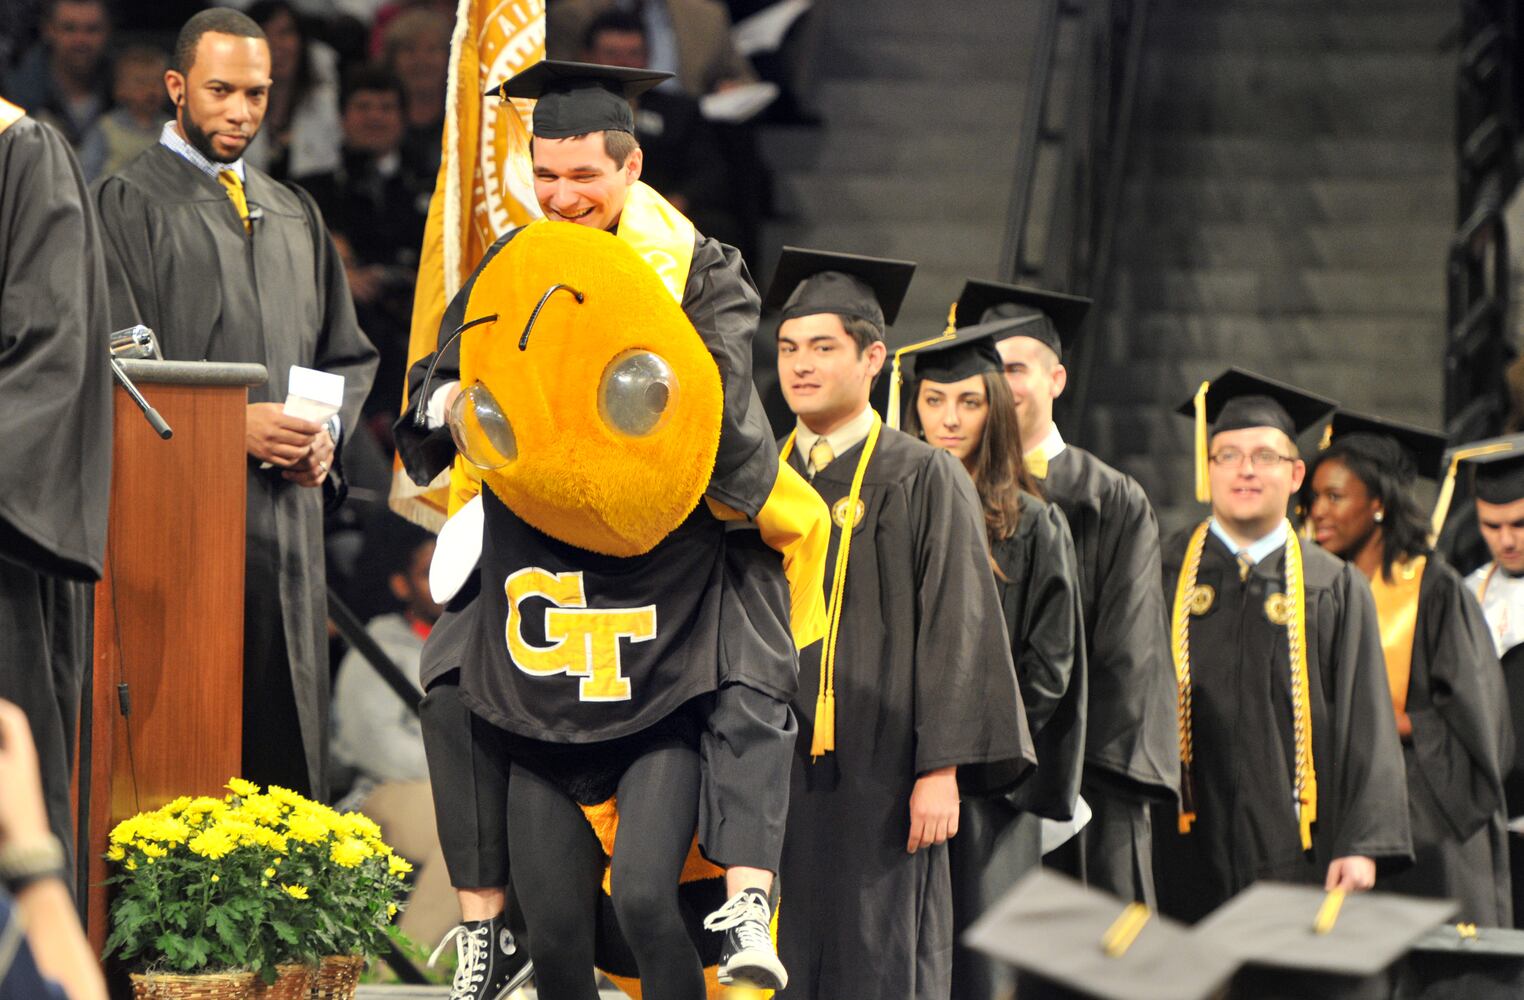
(152, 415)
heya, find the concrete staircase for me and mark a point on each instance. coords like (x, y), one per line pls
(1289, 208)
(922, 104)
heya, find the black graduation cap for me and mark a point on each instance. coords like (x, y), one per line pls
(969, 351)
(1239, 398)
(1052, 317)
(1497, 468)
(1056, 929)
(573, 98)
(1301, 941)
(1497, 474)
(807, 282)
(1403, 447)
(1464, 960)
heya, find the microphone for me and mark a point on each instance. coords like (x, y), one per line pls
(137, 341)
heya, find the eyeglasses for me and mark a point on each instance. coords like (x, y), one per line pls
(1263, 459)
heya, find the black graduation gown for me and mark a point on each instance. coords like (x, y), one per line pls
(1131, 749)
(999, 837)
(178, 259)
(1461, 740)
(56, 435)
(1246, 824)
(924, 680)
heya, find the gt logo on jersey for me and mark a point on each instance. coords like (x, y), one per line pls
(584, 642)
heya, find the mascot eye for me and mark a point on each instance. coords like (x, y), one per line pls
(481, 430)
(637, 392)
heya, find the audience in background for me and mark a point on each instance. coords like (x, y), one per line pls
(65, 78)
(134, 124)
(416, 48)
(376, 735)
(688, 37)
(378, 206)
(300, 135)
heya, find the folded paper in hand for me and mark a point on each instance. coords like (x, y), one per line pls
(312, 395)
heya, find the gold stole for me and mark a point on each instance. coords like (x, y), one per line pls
(10, 114)
(1397, 611)
(824, 740)
(1288, 610)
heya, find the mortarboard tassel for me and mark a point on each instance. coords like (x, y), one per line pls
(1328, 912)
(1447, 488)
(1203, 484)
(892, 416)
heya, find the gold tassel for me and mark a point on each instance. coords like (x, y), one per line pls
(1447, 488)
(1125, 930)
(824, 740)
(897, 378)
(1203, 483)
(1328, 912)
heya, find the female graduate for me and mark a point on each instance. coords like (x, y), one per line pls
(962, 403)
(1446, 683)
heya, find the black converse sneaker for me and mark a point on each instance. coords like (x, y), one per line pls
(488, 964)
(748, 956)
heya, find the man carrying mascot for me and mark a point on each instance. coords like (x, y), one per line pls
(630, 632)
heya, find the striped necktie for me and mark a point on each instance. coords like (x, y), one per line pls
(1245, 565)
(230, 180)
(821, 456)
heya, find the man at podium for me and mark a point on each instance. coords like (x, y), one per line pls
(57, 392)
(227, 264)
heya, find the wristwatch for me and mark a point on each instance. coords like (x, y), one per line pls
(23, 864)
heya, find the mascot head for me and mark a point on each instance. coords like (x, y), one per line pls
(589, 402)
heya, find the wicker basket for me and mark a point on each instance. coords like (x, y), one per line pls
(206, 986)
(337, 978)
(292, 981)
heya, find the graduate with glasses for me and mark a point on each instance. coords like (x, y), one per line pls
(1290, 765)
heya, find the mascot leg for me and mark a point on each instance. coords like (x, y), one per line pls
(558, 866)
(658, 811)
(469, 780)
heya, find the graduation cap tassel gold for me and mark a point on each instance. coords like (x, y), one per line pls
(1328, 913)
(1125, 930)
(1203, 484)
(892, 417)
(1447, 488)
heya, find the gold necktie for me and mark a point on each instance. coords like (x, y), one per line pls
(1037, 464)
(1245, 565)
(230, 180)
(821, 455)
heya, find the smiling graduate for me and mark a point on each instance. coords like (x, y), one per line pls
(1290, 765)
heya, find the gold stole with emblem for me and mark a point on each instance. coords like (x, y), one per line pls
(1289, 610)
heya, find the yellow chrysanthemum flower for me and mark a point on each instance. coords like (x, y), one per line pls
(349, 853)
(131, 866)
(176, 806)
(269, 873)
(216, 877)
(153, 850)
(115, 853)
(262, 809)
(213, 842)
(295, 891)
(127, 830)
(397, 866)
(286, 796)
(241, 788)
(305, 827)
(391, 909)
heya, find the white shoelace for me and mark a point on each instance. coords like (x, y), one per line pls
(748, 915)
(470, 958)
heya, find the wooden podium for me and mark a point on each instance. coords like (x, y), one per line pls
(163, 716)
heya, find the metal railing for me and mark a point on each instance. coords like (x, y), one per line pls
(1478, 344)
(1071, 164)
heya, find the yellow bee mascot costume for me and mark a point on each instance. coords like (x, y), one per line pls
(646, 570)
